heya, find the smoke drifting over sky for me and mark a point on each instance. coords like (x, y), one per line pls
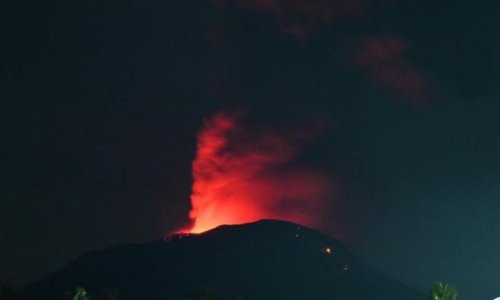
(242, 174)
(300, 18)
(384, 60)
(383, 57)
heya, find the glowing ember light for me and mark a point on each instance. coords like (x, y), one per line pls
(176, 236)
(242, 175)
(328, 250)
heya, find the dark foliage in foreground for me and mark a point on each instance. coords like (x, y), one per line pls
(443, 291)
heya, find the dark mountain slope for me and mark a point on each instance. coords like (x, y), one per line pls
(262, 260)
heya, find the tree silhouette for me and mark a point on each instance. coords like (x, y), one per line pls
(80, 294)
(442, 291)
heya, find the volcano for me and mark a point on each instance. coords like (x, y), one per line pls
(268, 259)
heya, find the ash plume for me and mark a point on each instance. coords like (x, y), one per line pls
(243, 174)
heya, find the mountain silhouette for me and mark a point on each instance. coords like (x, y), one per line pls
(268, 259)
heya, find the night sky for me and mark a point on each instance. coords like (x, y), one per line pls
(101, 104)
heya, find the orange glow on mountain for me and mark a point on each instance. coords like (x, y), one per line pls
(243, 175)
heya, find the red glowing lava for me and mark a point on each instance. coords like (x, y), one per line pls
(243, 175)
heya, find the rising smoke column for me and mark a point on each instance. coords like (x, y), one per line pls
(242, 175)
